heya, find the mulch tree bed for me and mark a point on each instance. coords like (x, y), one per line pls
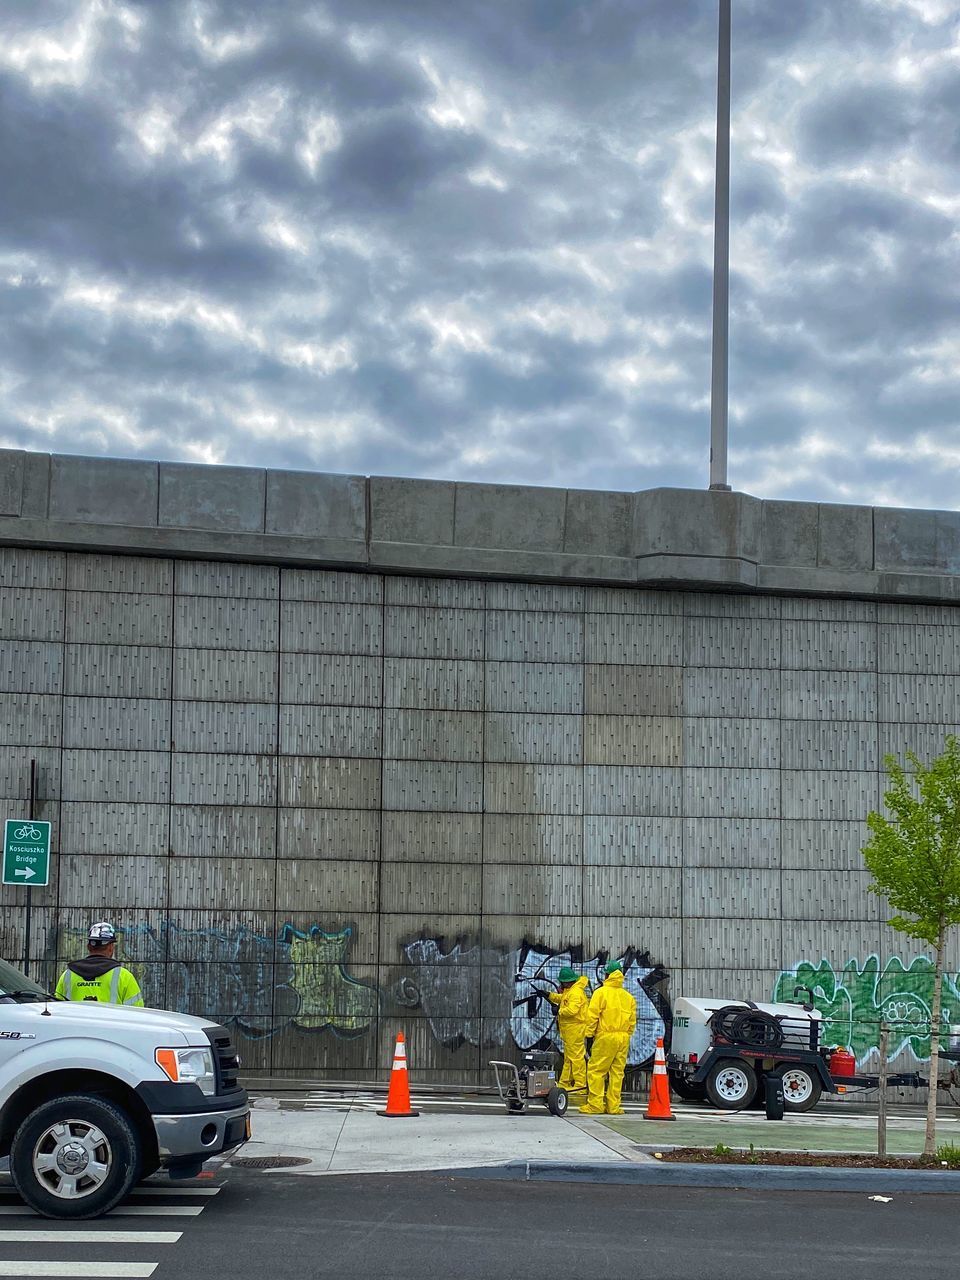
(806, 1159)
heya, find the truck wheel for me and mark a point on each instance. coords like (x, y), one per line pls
(557, 1101)
(731, 1084)
(74, 1157)
(801, 1088)
(686, 1090)
(146, 1169)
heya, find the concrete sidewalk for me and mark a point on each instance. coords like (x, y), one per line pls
(340, 1133)
(352, 1138)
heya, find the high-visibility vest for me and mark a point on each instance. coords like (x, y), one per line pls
(116, 986)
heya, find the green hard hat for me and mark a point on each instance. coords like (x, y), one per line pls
(567, 974)
(613, 966)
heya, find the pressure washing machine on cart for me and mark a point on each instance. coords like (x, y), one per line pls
(535, 1080)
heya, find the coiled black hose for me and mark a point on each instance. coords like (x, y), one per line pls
(750, 1027)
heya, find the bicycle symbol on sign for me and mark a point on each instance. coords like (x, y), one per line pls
(28, 833)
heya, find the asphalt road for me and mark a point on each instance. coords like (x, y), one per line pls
(423, 1225)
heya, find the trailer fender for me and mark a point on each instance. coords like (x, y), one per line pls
(826, 1079)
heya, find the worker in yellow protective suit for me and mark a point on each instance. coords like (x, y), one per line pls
(572, 1002)
(611, 1021)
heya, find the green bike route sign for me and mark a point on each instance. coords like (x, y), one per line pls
(26, 852)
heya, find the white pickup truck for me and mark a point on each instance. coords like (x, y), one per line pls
(95, 1097)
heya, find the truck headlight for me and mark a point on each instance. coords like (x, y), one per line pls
(188, 1066)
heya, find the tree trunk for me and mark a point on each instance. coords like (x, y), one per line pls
(930, 1138)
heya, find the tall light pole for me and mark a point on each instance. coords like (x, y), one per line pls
(721, 264)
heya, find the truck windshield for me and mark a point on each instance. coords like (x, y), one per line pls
(15, 985)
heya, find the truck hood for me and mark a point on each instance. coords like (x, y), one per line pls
(87, 1017)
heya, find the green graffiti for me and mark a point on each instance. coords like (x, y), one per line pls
(329, 996)
(855, 1001)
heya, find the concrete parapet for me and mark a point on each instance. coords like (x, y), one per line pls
(684, 538)
(693, 523)
(103, 491)
(316, 506)
(231, 499)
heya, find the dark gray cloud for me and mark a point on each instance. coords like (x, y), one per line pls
(475, 240)
(856, 122)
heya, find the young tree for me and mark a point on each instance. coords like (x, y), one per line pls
(914, 859)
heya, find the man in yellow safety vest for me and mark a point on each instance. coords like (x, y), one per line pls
(98, 976)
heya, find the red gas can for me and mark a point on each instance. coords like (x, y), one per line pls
(842, 1063)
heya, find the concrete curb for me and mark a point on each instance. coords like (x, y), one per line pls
(763, 1177)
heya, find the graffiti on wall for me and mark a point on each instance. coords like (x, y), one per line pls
(464, 991)
(254, 983)
(484, 995)
(330, 998)
(469, 992)
(857, 999)
(645, 980)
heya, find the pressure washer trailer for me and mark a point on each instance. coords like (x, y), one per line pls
(721, 1051)
(724, 1051)
(534, 1081)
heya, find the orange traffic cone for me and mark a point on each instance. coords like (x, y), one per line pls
(658, 1104)
(398, 1095)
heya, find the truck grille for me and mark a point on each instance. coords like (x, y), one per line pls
(226, 1062)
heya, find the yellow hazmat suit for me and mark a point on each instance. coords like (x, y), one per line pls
(611, 1020)
(572, 1003)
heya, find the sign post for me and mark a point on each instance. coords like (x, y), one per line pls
(26, 856)
(882, 1095)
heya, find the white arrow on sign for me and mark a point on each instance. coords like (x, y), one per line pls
(27, 872)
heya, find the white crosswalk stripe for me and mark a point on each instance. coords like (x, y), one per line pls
(176, 1191)
(127, 1210)
(65, 1270)
(93, 1234)
(89, 1236)
(186, 1193)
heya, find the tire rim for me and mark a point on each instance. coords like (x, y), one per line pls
(72, 1159)
(561, 1104)
(732, 1084)
(797, 1085)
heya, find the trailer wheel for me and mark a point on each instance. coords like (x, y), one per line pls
(686, 1089)
(801, 1088)
(731, 1084)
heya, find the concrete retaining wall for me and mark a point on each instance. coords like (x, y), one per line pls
(324, 804)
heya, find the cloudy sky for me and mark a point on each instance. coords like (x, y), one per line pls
(473, 238)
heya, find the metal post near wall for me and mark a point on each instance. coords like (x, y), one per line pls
(882, 1100)
(29, 907)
